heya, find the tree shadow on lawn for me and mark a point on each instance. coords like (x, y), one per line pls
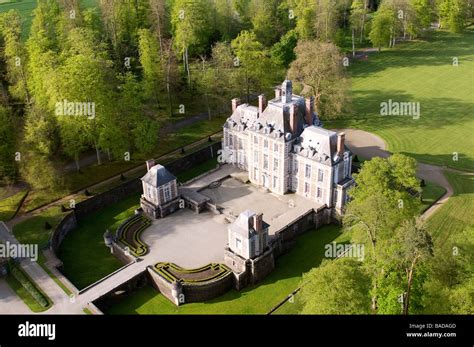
(436, 50)
(435, 112)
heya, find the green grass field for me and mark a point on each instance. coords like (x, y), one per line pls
(85, 257)
(456, 214)
(26, 8)
(260, 299)
(419, 71)
(9, 205)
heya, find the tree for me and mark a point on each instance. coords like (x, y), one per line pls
(335, 287)
(191, 28)
(453, 14)
(282, 52)
(305, 11)
(253, 63)
(14, 54)
(7, 146)
(384, 196)
(265, 22)
(403, 257)
(450, 286)
(326, 19)
(146, 135)
(150, 61)
(357, 20)
(318, 69)
(159, 21)
(380, 33)
(41, 131)
(82, 78)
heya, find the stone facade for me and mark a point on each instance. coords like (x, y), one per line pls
(284, 148)
(160, 191)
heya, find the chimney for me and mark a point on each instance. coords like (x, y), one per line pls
(258, 222)
(277, 93)
(309, 110)
(341, 137)
(262, 103)
(149, 164)
(287, 91)
(294, 118)
(235, 103)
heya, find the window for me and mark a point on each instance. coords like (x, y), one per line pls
(306, 188)
(307, 171)
(167, 192)
(346, 166)
(295, 166)
(255, 140)
(275, 182)
(318, 193)
(265, 162)
(255, 157)
(238, 243)
(240, 143)
(265, 143)
(275, 164)
(255, 174)
(275, 147)
(320, 175)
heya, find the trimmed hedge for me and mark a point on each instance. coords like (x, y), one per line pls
(138, 248)
(26, 283)
(163, 270)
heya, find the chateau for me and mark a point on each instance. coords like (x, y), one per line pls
(283, 148)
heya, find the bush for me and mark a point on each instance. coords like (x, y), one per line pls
(29, 286)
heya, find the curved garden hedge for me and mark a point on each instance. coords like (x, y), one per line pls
(129, 234)
(208, 273)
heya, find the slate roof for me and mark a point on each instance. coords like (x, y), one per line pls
(318, 144)
(158, 175)
(243, 225)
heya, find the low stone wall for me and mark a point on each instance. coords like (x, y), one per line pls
(194, 158)
(65, 226)
(184, 292)
(108, 198)
(261, 266)
(117, 194)
(207, 291)
(285, 238)
(122, 291)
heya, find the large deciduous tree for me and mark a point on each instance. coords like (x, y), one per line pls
(319, 69)
(255, 69)
(191, 28)
(335, 287)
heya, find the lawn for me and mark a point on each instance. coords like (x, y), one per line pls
(9, 205)
(431, 193)
(260, 299)
(419, 71)
(24, 295)
(33, 231)
(85, 257)
(456, 214)
(26, 8)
